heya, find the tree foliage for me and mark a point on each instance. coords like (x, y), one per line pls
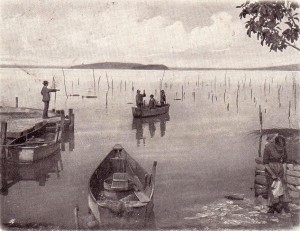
(274, 23)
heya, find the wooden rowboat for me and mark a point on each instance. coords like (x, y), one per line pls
(121, 191)
(145, 111)
(35, 145)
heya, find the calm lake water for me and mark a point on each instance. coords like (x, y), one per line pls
(205, 148)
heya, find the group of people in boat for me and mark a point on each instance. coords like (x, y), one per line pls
(153, 103)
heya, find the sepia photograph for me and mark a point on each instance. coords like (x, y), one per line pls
(150, 115)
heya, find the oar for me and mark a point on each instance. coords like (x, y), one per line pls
(138, 187)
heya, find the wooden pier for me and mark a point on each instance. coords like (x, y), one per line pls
(20, 121)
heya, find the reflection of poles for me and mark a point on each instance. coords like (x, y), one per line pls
(71, 141)
(152, 128)
(4, 184)
(162, 128)
(3, 137)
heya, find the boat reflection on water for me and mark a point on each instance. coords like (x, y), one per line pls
(139, 124)
(39, 171)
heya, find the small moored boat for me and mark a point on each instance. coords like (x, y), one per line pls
(145, 111)
(121, 191)
(35, 145)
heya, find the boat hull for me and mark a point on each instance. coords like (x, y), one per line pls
(147, 112)
(31, 154)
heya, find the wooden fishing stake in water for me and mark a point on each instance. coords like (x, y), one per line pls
(76, 217)
(182, 92)
(65, 82)
(259, 145)
(94, 81)
(3, 138)
(295, 95)
(106, 99)
(260, 119)
(251, 93)
(237, 100)
(17, 102)
(99, 78)
(289, 115)
(279, 96)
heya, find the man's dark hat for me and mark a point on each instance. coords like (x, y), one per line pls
(151, 96)
(45, 82)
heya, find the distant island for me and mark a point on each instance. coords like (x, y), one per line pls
(117, 65)
(138, 66)
(291, 67)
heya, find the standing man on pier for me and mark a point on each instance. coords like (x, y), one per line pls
(46, 98)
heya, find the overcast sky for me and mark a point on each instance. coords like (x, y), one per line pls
(174, 33)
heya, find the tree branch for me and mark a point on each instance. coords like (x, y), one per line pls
(291, 45)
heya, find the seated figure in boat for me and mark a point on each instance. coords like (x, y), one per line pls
(152, 102)
(139, 98)
(162, 97)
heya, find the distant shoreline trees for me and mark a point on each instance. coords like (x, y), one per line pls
(275, 23)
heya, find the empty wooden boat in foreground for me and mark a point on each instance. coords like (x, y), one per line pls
(145, 111)
(35, 145)
(121, 191)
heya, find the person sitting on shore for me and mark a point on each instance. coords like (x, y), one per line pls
(152, 102)
(45, 92)
(162, 98)
(139, 98)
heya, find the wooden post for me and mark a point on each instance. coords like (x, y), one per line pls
(260, 119)
(182, 92)
(3, 137)
(62, 122)
(17, 102)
